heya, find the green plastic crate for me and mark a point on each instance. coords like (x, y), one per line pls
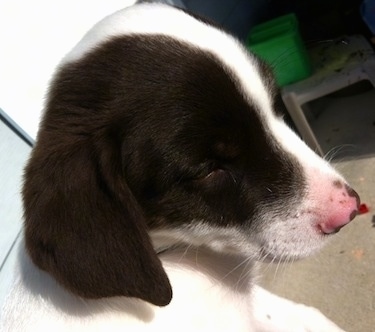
(278, 43)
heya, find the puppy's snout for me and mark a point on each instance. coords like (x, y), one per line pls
(343, 207)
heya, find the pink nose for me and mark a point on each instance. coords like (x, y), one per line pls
(343, 207)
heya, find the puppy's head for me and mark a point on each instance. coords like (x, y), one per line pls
(168, 128)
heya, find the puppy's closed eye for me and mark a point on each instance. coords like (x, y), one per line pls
(215, 178)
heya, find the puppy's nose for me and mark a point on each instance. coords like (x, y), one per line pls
(343, 207)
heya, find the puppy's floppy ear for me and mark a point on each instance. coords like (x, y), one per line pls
(84, 226)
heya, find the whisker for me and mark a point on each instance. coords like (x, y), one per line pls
(267, 265)
(333, 152)
(271, 263)
(245, 261)
(244, 275)
(184, 253)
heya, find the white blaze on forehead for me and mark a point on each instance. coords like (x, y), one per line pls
(172, 22)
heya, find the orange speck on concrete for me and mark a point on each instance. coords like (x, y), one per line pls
(358, 253)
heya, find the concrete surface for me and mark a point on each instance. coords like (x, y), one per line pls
(340, 280)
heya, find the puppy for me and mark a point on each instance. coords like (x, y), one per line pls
(161, 173)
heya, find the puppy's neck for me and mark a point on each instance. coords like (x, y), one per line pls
(233, 271)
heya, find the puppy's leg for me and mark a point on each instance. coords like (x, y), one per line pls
(274, 313)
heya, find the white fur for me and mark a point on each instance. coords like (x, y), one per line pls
(203, 300)
(219, 239)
